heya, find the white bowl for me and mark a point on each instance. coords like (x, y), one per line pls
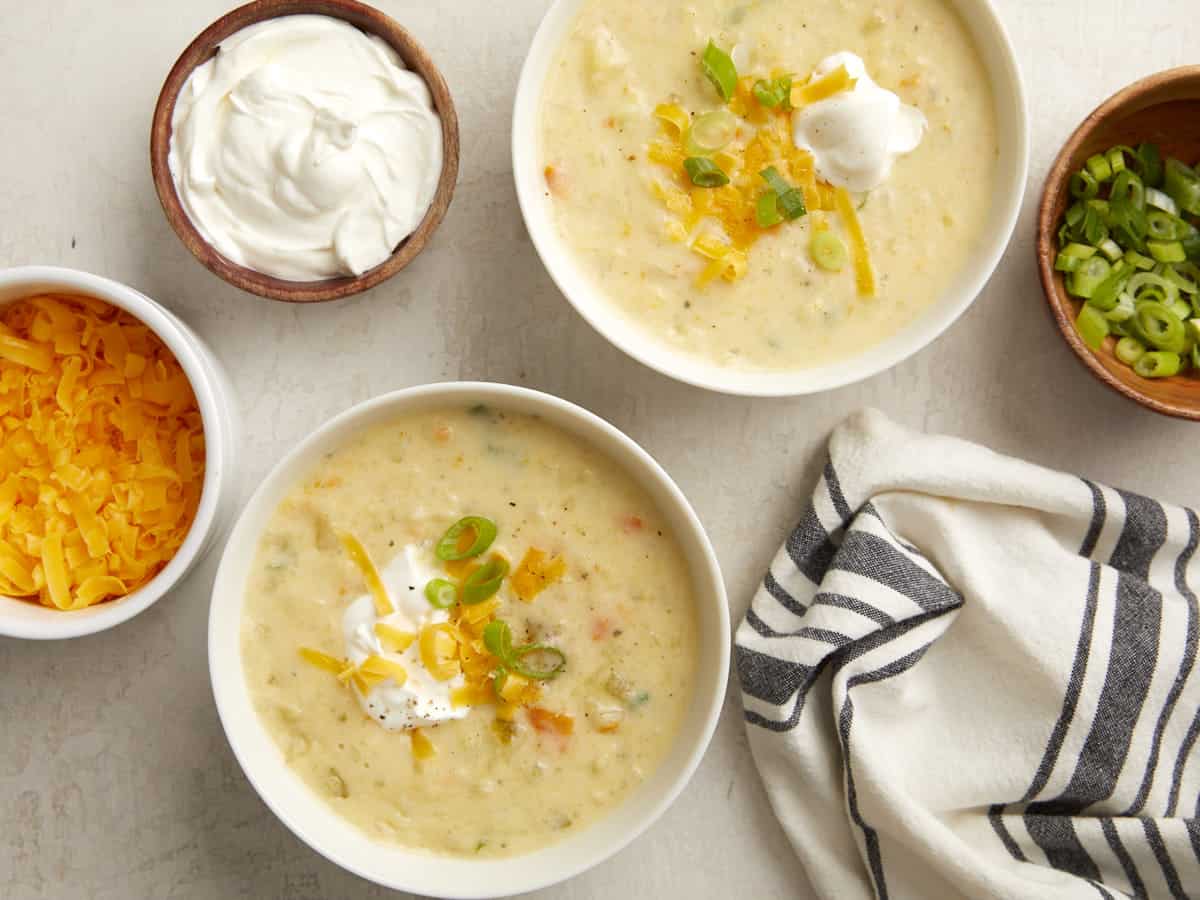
(591, 303)
(423, 873)
(218, 410)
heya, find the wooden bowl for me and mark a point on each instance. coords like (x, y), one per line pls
(203, 48)
(1165, 110)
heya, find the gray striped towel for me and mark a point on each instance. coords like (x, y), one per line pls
(968, 676)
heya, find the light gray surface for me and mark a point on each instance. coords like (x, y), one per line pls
(115, 778)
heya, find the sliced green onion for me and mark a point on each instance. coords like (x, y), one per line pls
(441, 594)
(1116, 159)
(1129, 350)
(1159, 364)
(1178, 275)
(1138, 261)
(1104, 297)
(776, 92)
(766, 209)
(1159, 200)
(484, 581)
(538, 661)
(1166, 251)
(1092, 325)
(1099, 167)
(1079, 251)
(1124, 309)
(704, 172)
(1095, 228)
(484, 530)
(1161, 328)
(1111, 249)
(1066, 264)
(1150, 166)
(1195, 356)
(718, 67)
(1182, 184)
(790, 199)
(710, 132)
(497, 637)
(1089, 276)
(1162, 226)
(1084, 185)
(1152, 286)
(1128, 188)
(1181, 308)
(828, 251)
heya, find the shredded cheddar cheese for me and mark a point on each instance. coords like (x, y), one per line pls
(422, 747)
(823, 88)
(101, 452)
(362, 559)
(536, 573)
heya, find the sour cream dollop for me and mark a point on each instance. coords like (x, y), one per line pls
(422, 699)
(856, 135)
(304, 149)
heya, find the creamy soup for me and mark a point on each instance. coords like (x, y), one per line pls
(617, 199)
(442, 744)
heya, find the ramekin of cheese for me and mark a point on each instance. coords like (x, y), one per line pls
(304, 150)
(468, 640)
(119, 433)
(770, 198)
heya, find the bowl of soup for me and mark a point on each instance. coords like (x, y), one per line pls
(468, 640)
(770, 198)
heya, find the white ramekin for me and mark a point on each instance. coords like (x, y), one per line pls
(312, 820)
(222, 432)
(588, 298)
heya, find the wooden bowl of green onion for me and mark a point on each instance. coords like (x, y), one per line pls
(1118, 242)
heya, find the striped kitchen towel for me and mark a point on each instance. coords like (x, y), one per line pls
(968, 676)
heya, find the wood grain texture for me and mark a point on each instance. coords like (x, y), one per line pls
(203, 48)
(1163, 109)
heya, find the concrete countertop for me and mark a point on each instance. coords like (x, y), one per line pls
(115, 778)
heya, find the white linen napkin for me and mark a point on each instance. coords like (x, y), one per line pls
(968, 676)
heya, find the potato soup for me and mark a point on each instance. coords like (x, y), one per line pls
(658, 153)
(469, 632)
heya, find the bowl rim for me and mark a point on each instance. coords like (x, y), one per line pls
(102, 616)
(367, 19)
(1009, 96)
(1045, 226)
(229, 686)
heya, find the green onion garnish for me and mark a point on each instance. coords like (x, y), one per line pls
(766, 209)
(441, 594)
(828, 251)
(1182, 184)
(773, 93)
(1160, 327)
(718, 67)
(789, 199)
(484, 531)
(1092, 325)
(1129, 350)
(537, 661)
(497, 637)
(1157, 364)
(710, 132)
(704, 172)
(484, 581)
